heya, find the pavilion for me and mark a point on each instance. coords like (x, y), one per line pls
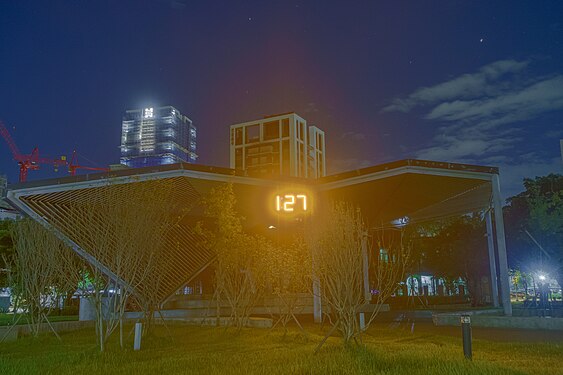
(398, 193)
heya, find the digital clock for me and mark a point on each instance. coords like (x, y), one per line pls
(291, 202)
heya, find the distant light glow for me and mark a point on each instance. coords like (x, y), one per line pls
(401, 222)
(542, 277)
(149, 112)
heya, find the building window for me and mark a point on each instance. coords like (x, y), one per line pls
(285, 127)
(238, 136)
(238, 158)
(271, 130)
(253, 133)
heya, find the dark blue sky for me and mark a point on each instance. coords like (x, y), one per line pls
(467, 81)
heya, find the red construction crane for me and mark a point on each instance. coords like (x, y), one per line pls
(28, 161)
(73, 165)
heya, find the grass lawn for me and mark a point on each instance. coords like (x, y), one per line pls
(8, 319)
(208, 350)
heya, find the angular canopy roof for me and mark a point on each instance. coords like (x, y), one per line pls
(407, 190)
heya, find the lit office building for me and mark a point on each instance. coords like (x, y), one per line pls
(278, 145)
(157, 136)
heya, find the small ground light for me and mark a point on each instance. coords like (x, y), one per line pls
(542, 277)
(271, 227)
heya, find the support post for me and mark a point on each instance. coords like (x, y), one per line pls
(317, 309)
(365, 257)
(501, 247)
(492, 260)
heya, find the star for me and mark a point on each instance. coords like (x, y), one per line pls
(481, 40)
(250, 18)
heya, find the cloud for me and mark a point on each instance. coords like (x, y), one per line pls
(518, 105)
(464, 148)
(558, 133)
(474, 108)
(492, 117)
(466, 86)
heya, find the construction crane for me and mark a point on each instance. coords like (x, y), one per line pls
(73, 165)
(30, 161)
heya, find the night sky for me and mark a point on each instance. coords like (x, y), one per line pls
(476, 82)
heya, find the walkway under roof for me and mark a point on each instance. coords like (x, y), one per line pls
(407, 190)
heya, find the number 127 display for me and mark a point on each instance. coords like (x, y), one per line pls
(291, 202)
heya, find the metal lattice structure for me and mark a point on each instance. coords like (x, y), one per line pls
(70, 214)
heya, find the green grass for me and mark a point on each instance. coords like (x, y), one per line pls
(205, 350)
(8, 319)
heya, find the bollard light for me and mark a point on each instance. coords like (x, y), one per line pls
(138, 334)
(466, 336)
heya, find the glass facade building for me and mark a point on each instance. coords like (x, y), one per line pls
(279, 145)
(157, 136)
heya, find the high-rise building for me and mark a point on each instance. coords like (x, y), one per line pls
(156, 136)
(278, 145)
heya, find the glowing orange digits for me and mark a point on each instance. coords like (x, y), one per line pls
(287, 202)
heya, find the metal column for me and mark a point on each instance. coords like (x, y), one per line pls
(501, 247)
(492, 260)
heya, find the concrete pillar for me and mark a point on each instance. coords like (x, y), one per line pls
(492, 260)
(501, 247)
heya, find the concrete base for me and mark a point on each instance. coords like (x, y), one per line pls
(23, 329)
(491, 321)
(188, 317)
(87, 312)
(225, 322)
(8, 335)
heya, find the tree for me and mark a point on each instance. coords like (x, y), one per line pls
(44, 268)
(127, 226)
(242, 259)
(339, 245)
(456, 248)
(535, 225)
(289, 275)
(6, 251)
